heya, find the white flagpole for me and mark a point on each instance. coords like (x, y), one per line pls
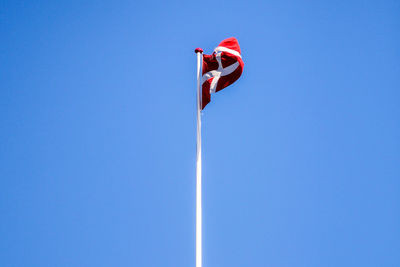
(199, 251)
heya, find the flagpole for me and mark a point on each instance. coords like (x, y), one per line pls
(199, 251)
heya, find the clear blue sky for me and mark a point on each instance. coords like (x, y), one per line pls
(97, 126)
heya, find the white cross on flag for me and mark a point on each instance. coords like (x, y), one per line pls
(221, 69)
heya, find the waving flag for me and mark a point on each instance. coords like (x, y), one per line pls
(221, 68)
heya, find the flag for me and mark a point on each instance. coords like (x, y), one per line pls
(220, 69)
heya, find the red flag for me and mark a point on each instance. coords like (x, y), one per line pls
(220, 69)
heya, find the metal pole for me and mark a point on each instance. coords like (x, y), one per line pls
(199, 251)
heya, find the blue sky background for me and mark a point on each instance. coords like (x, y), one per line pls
(301, 159)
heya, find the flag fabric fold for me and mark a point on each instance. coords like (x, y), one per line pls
(220, 69)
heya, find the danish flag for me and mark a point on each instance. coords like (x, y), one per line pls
(220, 69)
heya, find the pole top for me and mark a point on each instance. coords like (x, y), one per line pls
(198, 50)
